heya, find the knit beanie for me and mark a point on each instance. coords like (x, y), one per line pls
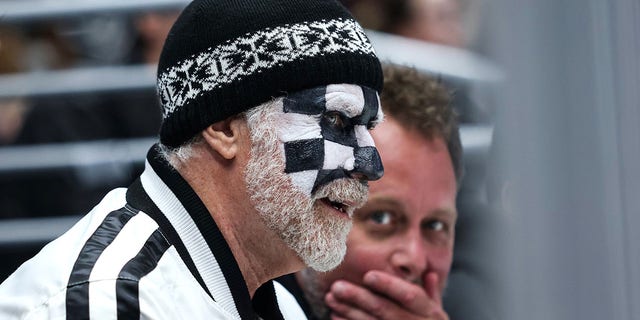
(223, 57)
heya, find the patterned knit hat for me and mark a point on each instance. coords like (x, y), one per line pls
(223, 57)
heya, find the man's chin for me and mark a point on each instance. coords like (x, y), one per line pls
(326, 261)
(326, 244)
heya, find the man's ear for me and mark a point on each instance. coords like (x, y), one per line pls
(223, 136)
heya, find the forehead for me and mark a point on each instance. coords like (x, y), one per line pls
(351, 100)
(418, 171)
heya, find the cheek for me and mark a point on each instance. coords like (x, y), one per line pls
(440, 260)
(361, 258)
(302, 148)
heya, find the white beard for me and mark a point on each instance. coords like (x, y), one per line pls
(305, 224)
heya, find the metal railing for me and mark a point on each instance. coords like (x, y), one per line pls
(20, 233)
(476, 140)
(430, 58)
(434, 58)
(78, 80)
(26, 11)
(71, 155)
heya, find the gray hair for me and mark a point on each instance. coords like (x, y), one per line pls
(178, 156)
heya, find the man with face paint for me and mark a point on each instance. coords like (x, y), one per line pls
(264, 155)
(400, 249)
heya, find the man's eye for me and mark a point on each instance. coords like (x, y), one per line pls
(436, 225)
(381, 217)
(335, 119)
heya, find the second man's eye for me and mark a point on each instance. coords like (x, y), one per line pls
(381, 217)
(436, 225)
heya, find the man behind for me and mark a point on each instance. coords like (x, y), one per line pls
(399, 251)
(242, 188)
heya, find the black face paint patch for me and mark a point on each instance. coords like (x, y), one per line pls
(342, 132)
(368, 163)
(310, 101)
(370, 110)
(302, 155)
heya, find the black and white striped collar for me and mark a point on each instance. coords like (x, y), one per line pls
(163, 194)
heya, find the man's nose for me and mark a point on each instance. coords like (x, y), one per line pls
(410, 260)
(367, 165)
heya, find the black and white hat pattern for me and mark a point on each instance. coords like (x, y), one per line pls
(223, 57)
(328, 137)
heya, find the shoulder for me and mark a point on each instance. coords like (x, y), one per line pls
(40, 285)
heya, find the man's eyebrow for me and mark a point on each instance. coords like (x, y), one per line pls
(444, 213)
(385, 200)
(348, 109)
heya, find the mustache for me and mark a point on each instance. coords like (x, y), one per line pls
(350, 192)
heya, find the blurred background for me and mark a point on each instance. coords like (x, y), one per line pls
(547, 93)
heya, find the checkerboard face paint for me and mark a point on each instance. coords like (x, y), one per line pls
(303, 146)
(324, 131)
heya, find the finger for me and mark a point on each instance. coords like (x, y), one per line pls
(368, 302)
(356, 298)
(340, 310)
(409, 295)
(432, 287)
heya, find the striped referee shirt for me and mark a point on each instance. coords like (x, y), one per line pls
(151, 251)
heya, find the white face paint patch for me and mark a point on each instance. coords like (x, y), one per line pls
(301, 180)
(296, 126)
(364, 137)
(351, 103)
(344, 156)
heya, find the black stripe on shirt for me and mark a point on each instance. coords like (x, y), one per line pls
(77, 298)
(291, 284)
(265, 302)
(139, 266)
(138, 198)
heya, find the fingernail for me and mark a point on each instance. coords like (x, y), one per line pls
(329, 299)
(338, 287)
(370, 277)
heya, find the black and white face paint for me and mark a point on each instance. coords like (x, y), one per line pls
(324, 132)
(302, 145)
(301, 219)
